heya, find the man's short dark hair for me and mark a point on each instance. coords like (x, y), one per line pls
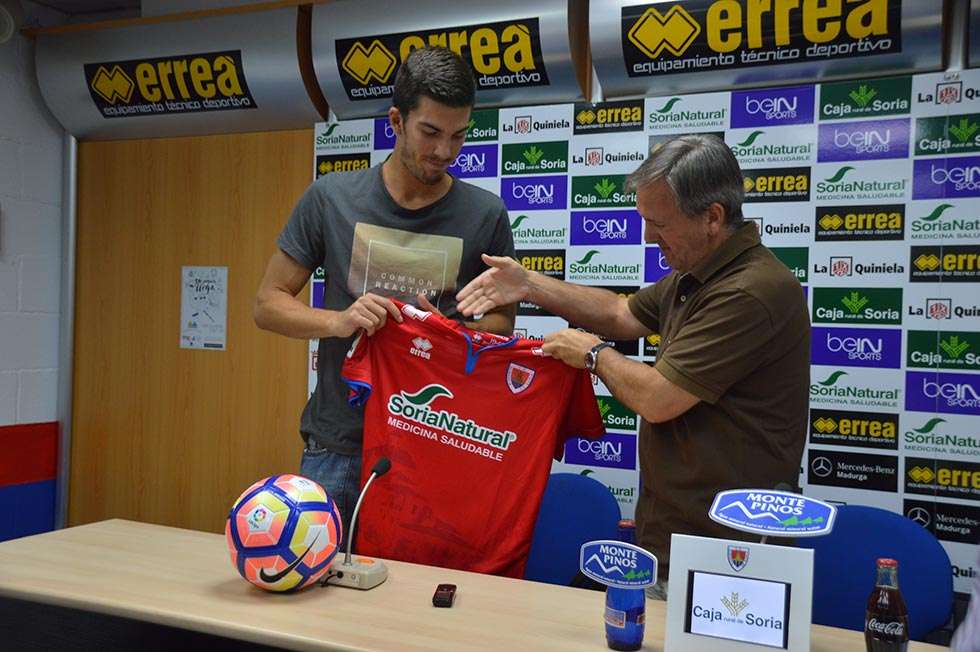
(437, 73)
(700, 170)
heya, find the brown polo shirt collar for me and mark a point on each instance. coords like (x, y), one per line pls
(745, 237)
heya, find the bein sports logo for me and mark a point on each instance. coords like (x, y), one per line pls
(864, 140)
(853, 347)
(614, 450)
(773, 107)
(655, 265)
(475, 161)
(946, 178)
(384, 134)
(949, 393)
(535, 193)
(605, 228)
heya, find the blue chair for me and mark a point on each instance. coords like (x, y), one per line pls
(844, 569)
(575, 509)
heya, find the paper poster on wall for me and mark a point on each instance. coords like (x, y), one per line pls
(204, 308)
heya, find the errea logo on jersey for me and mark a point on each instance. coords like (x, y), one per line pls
(421, 347)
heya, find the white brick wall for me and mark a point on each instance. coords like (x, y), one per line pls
(30, 241)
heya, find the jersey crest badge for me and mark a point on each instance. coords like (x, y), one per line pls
(519, 377)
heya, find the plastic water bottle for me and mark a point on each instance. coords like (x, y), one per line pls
(625, 608)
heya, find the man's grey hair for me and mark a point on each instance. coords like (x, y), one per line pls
(700, 170)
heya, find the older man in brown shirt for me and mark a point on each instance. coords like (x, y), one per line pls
(725, 406)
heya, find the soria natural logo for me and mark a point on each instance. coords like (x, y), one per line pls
(418, 408)
(828, 391)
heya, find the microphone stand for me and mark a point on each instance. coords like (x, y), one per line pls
(360, 572)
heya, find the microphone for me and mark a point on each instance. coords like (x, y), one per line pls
(360, 572)
(382, 466)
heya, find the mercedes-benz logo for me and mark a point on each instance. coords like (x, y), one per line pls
(920, 515)
(821, 467)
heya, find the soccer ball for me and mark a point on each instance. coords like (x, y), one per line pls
(283, 532)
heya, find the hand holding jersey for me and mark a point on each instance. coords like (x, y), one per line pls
(570, 345)
(369, 311)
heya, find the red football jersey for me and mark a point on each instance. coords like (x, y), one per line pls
(470, 422)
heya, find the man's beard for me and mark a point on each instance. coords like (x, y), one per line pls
(418, 171)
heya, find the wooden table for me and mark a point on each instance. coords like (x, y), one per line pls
(184, 580)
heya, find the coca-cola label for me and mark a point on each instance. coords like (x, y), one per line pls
(893, 628)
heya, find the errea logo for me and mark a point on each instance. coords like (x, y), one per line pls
(365, 64)
(421, 347)
(674, 31)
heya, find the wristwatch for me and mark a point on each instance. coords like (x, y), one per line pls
(592, 356)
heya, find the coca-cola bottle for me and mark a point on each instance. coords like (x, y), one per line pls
(886, 621)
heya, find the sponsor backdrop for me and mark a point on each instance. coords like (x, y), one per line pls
(868, 190)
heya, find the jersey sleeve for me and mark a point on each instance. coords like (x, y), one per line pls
(582, 418)
(357, 371)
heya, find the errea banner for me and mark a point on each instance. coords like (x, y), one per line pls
(182, 83)
(944, 263)
(341, 163)
(672, 37)
(847, 223)
(777, 184)
(853, 428)
(503, 55)
(608, 117)
(947, 478)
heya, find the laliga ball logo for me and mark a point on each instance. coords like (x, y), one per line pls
(283, 532)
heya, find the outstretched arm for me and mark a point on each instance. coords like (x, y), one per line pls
(507, 282)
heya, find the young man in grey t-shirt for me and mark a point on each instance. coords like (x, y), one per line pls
(405, 229)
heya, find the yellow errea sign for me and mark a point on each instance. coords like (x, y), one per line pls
(503, 55)
(698, 35)
(212, 81)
